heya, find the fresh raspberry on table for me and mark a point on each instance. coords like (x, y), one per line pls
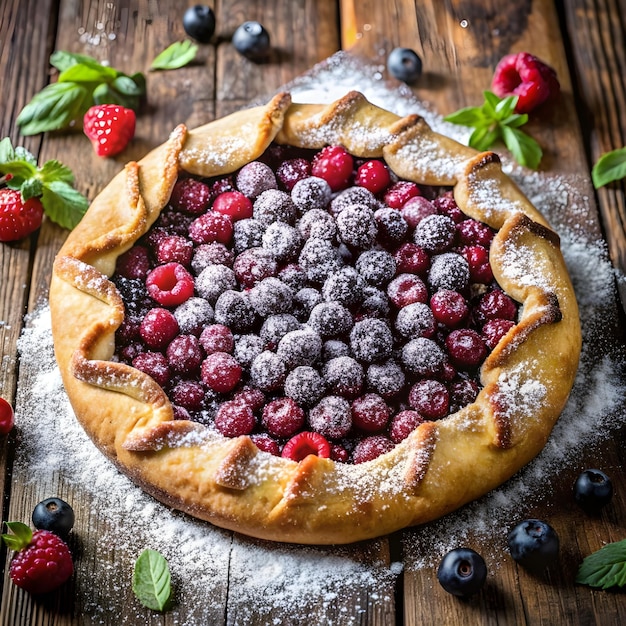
(525, 76)
(42, 561)
(109, 127)
(18, 218)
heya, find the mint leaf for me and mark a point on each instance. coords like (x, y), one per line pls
(63, 60)
(524, 149)
(610, 167)
(483, 138)
(21, 537)
(54, 170)
(605, 568)
(63, 204)
(53, 108)
(177, 55)
(82, 73)
(152, 581)
(31, 188)
(469, 116)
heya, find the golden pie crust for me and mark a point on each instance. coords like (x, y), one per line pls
(442, 465)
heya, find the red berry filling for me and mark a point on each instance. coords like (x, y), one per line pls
(316, 317)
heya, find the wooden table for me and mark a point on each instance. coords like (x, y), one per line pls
(460, 42)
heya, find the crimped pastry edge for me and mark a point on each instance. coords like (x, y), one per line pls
(229, 482)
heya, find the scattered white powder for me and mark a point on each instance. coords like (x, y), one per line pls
(218, 575)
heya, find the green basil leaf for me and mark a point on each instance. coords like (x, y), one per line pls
(152, 581)
(140, 80)
(605, 568)
(611, 166)
(483, 138)
(126, 85)
(53, 108)
(63, 204)
(177, 55)
(525, 150)
(63, 60)
(506, 107)
(516, 120)
(82, 73)
(103, 94)
(469, 116)
(491, 99)
(7, 153)
(54, 170)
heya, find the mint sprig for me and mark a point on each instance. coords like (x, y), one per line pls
(611, 166)
(82, 82)
(179, 54)
(605, 568)
(496, 120)
(152, 580)
(52, 183)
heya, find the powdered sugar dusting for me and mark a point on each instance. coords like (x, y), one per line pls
(273, 582)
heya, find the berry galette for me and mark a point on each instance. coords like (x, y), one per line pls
(315, 323)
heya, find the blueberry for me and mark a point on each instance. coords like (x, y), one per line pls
(593, 490)
(533, 544)
(55, 515)
(462, 572)
(404, 64)
(199, 22)
(252, 40)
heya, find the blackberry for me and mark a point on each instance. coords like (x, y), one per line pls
(275, 327)
(344, 286)
(305, 301)
(377, 267)
(343, 376)
(357, 226)
(233, 309)
(332, 348)
(268, 371)
(293, 276)
(254, 265)
(274, 205)
(311, 193)
(300, 347)
(304, 385)
(330, 319)
(283, 241)
(248, 233)
(319, 258)
(213, 281)
(448, 271)
(371, 340)
(392, 227)
(375, 304)
(271, 296)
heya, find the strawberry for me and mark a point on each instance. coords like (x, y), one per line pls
(109, 127)
(18, 218)
(42, 561)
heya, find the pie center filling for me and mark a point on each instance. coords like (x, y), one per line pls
(312, 301)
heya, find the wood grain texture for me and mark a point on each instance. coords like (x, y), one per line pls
(460, 42)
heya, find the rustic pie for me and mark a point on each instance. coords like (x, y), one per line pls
(315, 323)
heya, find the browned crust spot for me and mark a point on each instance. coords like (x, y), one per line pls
(234, 470)
(421, 449)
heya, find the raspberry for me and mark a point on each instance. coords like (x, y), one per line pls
(406, 289)
(400, 193)
(18, 219)
(334, 165)
(234, 419)
(217, 338)
(466, 348)
(221, 372)
(170, 284)
(154, 364)
(109, 127)
(429, 398)
(174, 249)
(188, 394)
(409, 257)
(265, 443)
(370, 413)
(446, 205)
(184, 354)
(373, 175)
(42, 561)
(371, 448)
(134, 263)
(473, 233)
(211, 226)
(283, 417)
(158, 328)
(525, 76)
(403, 424)
(305, 443)
(7, 417)
(191, 196)
(493, 330)
(331, 417)
(449, 307)
(234, 205)
(291, 171)
(339, 453)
